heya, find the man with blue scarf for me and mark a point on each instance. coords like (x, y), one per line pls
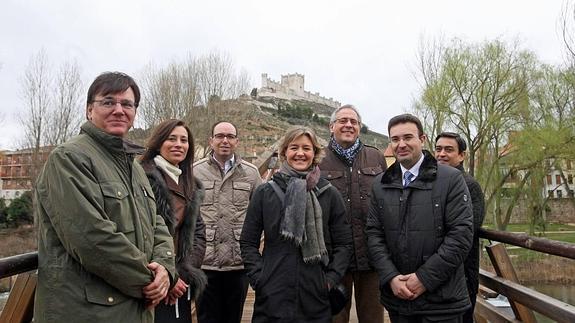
(351, 166)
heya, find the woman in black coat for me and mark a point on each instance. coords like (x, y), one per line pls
(168, 164)
(307, 244)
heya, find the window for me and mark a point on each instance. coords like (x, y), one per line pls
(571, 193)
(570, 179)
(559, 194)
(550, 193)
(558, 179)
(549, 180)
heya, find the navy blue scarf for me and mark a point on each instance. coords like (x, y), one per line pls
(348, 154)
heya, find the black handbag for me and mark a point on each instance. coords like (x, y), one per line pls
(338, 298)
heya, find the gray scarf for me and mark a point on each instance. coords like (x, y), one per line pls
(304, 228)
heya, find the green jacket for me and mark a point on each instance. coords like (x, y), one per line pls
(97, 231)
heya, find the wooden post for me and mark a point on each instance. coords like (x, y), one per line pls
(19, 307)
(504, 268)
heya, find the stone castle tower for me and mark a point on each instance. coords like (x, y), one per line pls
(291, 87)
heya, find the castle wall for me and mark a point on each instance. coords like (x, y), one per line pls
(292, 87)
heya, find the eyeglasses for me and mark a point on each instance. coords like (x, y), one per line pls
(111, 103)
(344, 121)
(222, 136)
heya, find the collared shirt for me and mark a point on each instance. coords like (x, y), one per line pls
(228, 164)
(414, 170)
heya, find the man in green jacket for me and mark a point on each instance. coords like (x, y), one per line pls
(104, 255)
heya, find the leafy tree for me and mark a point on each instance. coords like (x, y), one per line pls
(3, 215)
(20, 210)
(507, 106)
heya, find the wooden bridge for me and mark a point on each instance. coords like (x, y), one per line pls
(523, 300)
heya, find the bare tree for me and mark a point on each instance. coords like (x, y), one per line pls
(51, 113)
(170, 93)
(36, 86)
(567, 27)
(191, 90)
(65, 117)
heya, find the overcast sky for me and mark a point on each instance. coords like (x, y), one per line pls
(359, 52)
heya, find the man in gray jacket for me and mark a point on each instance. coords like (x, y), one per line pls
(419, 231)
(229, 182)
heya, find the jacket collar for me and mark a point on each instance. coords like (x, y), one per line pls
(115, 144)
(427, 171)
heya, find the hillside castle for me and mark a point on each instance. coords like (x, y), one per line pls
(291, 87)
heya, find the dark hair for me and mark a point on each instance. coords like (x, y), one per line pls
(157, 139)
(223, 121)
(461, 145)
(111, 83)
(405, 118)
(295, 132)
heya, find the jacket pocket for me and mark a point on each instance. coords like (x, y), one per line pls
(208, 192)
(104, 294)
(241, 194)
(210, 255)
(337, 179)
(237, 254)
(117, 206)
(366, 182)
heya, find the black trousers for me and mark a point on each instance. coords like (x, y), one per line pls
(167, 313)
(224, 297)
(450, 318)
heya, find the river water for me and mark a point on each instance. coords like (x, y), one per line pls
(3, 298)
(564, 293)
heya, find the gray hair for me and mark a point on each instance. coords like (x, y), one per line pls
(347, 106)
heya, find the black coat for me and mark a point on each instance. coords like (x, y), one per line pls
(287, 289)
(425, 229)
(471, 263)
(191, 234)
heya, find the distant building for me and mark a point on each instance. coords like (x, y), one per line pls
(559, 180)
(16, 171)
(389, 156)
(291, 87)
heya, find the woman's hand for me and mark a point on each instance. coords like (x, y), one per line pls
(176, 292)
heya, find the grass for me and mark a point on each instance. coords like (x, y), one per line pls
(17, 241)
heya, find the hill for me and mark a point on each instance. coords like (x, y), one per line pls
(261, 123)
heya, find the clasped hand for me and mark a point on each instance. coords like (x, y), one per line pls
(407, 287)
(157, 290)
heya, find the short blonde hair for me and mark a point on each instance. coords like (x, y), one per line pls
(295, 132)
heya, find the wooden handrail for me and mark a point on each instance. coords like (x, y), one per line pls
(546, 305)
(14, 265)
(552, 247)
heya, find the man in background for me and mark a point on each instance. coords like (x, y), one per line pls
(450, 149)
(229, 183)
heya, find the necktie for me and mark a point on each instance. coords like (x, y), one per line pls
(407, 178)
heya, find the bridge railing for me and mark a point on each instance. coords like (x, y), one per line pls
(523, 300)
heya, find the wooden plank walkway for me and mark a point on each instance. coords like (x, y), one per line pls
(249, 310)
